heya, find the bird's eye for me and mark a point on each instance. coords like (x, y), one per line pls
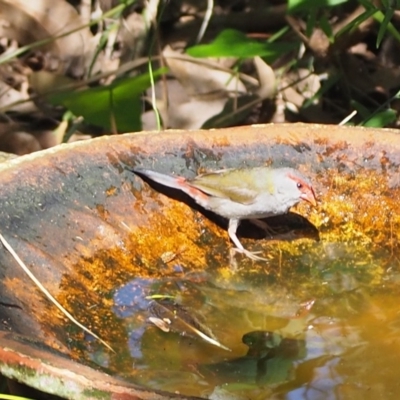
(299, 185)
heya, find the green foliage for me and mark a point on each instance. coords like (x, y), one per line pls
(295, 6)
(118, 105)
(319, 14)
(357, 21)
(384, 17)
(316, 11)
(377, 119)
(233, 43)
(386, 26)
(381, 119)
(326, 28)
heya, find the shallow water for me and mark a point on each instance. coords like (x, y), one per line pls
(332, 310)
(318, 320)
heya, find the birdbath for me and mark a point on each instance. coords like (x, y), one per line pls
(143, 268)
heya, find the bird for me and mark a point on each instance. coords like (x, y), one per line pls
(241, 194)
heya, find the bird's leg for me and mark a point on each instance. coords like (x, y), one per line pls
(264, 226)
(232, 228)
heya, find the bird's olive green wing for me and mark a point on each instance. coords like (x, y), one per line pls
(233, 184)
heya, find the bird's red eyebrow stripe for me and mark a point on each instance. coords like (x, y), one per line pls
(297, 179)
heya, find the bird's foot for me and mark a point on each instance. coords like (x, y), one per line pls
(250, 254)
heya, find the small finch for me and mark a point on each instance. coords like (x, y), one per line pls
(237, 194)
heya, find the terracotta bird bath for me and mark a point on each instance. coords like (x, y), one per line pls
(107, 245)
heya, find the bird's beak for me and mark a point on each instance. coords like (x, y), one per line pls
(309, 196)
